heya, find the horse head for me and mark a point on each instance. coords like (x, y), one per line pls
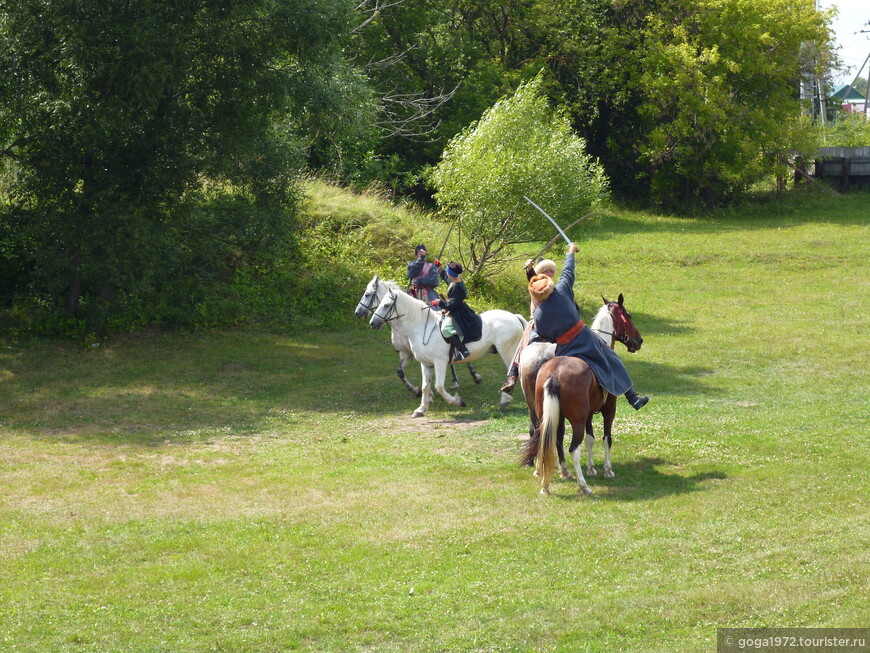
(386, 310)
(370, 299)
(624, 330)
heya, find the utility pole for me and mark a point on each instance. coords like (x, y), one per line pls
(866, 92)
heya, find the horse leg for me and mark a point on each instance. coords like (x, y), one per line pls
(404, 357)
(577, 429)
(440, 374)
(505, 398)
(474, 375)
(560, 449)
(426, 393)
(609, 412)
(590, 441)
(455, 384)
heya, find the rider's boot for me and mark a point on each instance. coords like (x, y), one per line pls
(637, 402)
(513, 375)
(460, 350)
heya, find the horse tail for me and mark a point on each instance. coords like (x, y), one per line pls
(550, 418)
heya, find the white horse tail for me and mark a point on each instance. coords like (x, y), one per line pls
(550, 421)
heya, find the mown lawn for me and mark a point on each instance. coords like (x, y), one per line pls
(250, 492)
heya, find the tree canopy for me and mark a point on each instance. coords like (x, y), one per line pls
(520, 147)
(118, 119)
(148, 150)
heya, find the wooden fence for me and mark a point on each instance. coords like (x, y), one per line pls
(843, 165)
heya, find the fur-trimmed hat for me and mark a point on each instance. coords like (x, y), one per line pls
(540, 287)
(454, 269)
(418, 248)
(545, 265)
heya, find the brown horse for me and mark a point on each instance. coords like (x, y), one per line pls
(566, 389)
(612, 324)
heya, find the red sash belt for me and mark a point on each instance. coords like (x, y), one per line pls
(571, 333)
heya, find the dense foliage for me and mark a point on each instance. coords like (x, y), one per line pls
(520, 147)
(149, 148)
(149, 151)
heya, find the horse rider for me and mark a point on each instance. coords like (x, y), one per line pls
(548, 268)
(557, 319)
(461, 323)
(423, 275)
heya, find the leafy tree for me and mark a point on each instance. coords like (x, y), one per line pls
(520, 146)
(719, 81)
(148, 148)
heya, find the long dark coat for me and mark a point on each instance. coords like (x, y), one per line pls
(424, 276)
(557, 314)
(466, 321)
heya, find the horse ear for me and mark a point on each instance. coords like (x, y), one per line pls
(604, 299)
(620, 300)
(375, 279)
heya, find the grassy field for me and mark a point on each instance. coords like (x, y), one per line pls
(246, 492)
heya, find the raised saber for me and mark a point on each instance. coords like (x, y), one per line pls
(558, 228)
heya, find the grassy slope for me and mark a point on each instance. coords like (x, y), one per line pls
(258, 492)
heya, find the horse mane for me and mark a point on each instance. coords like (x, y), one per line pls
(601, 320)
(403, 296)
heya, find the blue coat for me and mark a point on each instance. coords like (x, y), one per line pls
(424, 276)
(466, 321)
(558, 314)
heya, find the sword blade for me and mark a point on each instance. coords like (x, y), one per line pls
(558, 228)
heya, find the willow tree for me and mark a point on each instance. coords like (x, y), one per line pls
(520, 147)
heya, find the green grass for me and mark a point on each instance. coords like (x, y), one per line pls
(246, 492)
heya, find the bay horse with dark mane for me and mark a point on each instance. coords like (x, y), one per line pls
(566, 389)
(612, 324)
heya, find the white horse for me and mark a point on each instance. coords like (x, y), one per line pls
(612, 324)
(372, 296)
(501, 334)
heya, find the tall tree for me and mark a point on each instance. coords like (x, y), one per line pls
(115, 115)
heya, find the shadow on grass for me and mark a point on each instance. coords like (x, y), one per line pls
(151, 391)
(640, 480)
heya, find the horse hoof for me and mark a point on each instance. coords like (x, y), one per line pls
(417, 393)
(454, 387)
(585, 491)
(545, 492)
(535, 473)
(608, 473)
(505, 400)
(478, 378)
(462, 403)
(417, 413)
(566, 474)
(591, 471)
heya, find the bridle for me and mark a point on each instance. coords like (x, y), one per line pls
(620, 323)
(393, 313)
(370, 308)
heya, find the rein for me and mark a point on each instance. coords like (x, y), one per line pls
(393, 313)
(428, 339)
(618, 333)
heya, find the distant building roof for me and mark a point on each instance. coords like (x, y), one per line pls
(847, 92)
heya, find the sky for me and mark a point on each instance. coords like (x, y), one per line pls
(854, 47)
